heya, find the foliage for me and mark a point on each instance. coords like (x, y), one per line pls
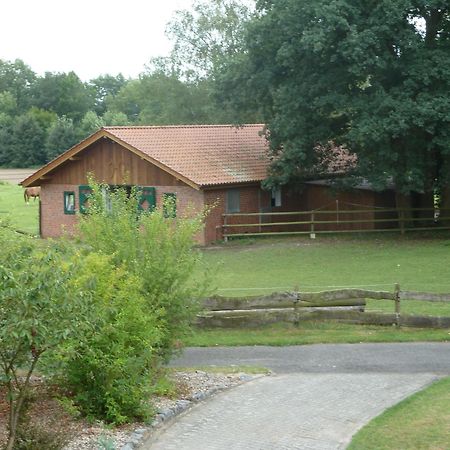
(207, 35)
(156, 250)
(61, 136)
(110, 370)
(38, 312)
(373, 76)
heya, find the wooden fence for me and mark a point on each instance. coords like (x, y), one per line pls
(334, 221)
(345, 305)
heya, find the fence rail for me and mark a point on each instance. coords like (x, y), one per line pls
(334, 221)
(344, 305)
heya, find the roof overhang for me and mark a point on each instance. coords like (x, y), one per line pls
(38, 176)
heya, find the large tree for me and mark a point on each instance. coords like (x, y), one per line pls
(371, 75)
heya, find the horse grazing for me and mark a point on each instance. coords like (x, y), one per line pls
(31, 192)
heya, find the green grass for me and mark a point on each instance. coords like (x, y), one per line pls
(23, 217)
(419, 422)
(312, 333)
(416, 262)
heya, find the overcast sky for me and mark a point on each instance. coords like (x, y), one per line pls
(90, 37)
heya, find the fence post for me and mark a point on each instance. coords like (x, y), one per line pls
(224, 228)
(296, 306)
(312, 233)
(397, 303)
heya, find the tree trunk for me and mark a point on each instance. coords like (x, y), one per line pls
(403, 203)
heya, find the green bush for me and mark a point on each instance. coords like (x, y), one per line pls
(38, 313)
(158, 250)
(110, 371)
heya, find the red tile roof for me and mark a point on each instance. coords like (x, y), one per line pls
(204, 154)
(201, 155)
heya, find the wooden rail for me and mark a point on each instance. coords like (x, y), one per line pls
(333, 221)
(344, 305)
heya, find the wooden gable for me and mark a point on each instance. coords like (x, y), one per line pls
(111, 163)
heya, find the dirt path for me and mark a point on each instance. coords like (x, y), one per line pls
(15, 176)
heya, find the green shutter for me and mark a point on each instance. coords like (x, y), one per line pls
(84, 194)
(147, 200)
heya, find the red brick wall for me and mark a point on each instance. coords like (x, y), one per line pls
(251, 197)
(54, 221)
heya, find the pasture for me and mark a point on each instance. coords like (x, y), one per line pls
(23, 217)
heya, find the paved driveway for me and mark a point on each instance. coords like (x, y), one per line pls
(318, 398)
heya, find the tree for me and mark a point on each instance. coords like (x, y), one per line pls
(64, 94)
(27, 144)
(61, 136)
(106, 86)
(37, 313)
(205, 36)
(17, 79)
(373, 76)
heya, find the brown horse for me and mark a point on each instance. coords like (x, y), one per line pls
(31, 192)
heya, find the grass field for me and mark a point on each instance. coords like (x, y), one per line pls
(416, 262)
(23, 217)
(419, 422)
(313, 333)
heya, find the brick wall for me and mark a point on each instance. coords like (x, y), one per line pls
(54, 221)
(251, 198)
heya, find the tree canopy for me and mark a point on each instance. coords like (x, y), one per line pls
(373, 76)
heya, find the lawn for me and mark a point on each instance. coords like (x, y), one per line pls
(312, 333)
(416, 262)
(419, 422)
(24, 217)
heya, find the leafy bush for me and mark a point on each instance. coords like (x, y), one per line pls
(109, 371)
(157, 250)
(38, 313)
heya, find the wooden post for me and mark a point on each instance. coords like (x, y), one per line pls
(225, 238)
(312, 233)
(397, 303)
(296, 306)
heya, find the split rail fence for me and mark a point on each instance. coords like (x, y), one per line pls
(344, 305)
(337, 220)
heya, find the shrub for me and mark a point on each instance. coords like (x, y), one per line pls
(38, 313)
(158, 250)
(109, 371)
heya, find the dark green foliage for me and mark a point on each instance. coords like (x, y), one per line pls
(64, 94)
(373, 76)
(61, 136)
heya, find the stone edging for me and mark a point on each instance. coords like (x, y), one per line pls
(137, 437)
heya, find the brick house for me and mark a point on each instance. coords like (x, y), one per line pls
(199, 165)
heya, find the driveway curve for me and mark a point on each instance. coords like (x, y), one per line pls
(318, 397)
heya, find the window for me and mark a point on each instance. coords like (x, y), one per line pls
(69, 202)
(84, 194)
(276, 197)
(233, 204)
(147, 201)
(170, 205)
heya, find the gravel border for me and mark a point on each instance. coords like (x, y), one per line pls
(196, 386)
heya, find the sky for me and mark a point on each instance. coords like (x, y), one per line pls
(90, 37)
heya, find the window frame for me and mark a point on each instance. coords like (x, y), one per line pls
(275, 200)
(231, 208)
(66, 195)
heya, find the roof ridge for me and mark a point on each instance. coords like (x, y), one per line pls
(122, 127)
